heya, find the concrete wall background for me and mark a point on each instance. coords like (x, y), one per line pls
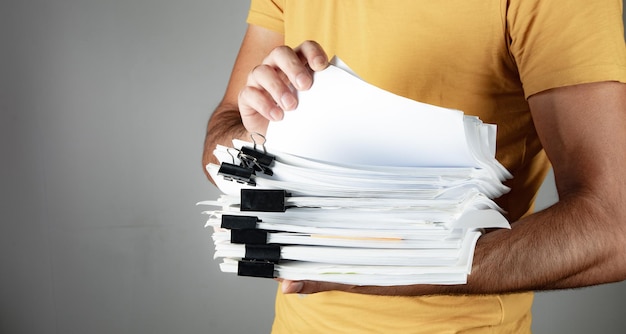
(103, 106)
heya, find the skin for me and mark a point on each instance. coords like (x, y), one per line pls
(580, 241)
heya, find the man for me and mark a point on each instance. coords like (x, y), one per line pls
(550, 74)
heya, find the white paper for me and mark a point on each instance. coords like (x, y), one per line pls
(382, 190)
(346, 120)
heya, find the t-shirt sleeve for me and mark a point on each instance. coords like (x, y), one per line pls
(566, 42)
(267, 14)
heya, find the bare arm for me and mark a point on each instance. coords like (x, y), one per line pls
(260, 87)
(581, 240)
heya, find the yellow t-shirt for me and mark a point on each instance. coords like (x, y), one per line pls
(484, 57)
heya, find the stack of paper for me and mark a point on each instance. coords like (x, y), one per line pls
(362, 187)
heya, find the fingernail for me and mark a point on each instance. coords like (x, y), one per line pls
(319, 62)
(303, 81)
(276, 114)
(288, 101)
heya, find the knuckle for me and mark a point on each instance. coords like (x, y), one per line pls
(275, 87)
(310, 45)
(247, 92)
(277, 54)
(284, 58)
(255, 71)
(281, 50)
(257, 101)
(268, 80)
(242, 94)
(310, 42)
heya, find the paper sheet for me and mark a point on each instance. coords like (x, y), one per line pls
(346, 120)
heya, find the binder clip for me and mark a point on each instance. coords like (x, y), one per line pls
(233, 222)
(248, 237)
(264, 200)
(256, 160)
(266, 253)
(239, 174)
(255, 269)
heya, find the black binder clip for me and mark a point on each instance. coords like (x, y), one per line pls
(266, 253)
(255, 269)
(248, 237)
(256, 160)
(264, 200)
(239, 174)
(233, 222)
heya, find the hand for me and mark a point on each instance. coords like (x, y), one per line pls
(270, 88)
(310, 287)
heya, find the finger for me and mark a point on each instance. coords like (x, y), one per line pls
(311, 53)
(265, 77)
(286, 60)
(310, 287)
(288, 286)
(254, 101)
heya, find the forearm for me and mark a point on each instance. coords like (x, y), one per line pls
(223, 126)
(577, 242)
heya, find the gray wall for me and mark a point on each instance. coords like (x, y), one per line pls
(103, 106)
